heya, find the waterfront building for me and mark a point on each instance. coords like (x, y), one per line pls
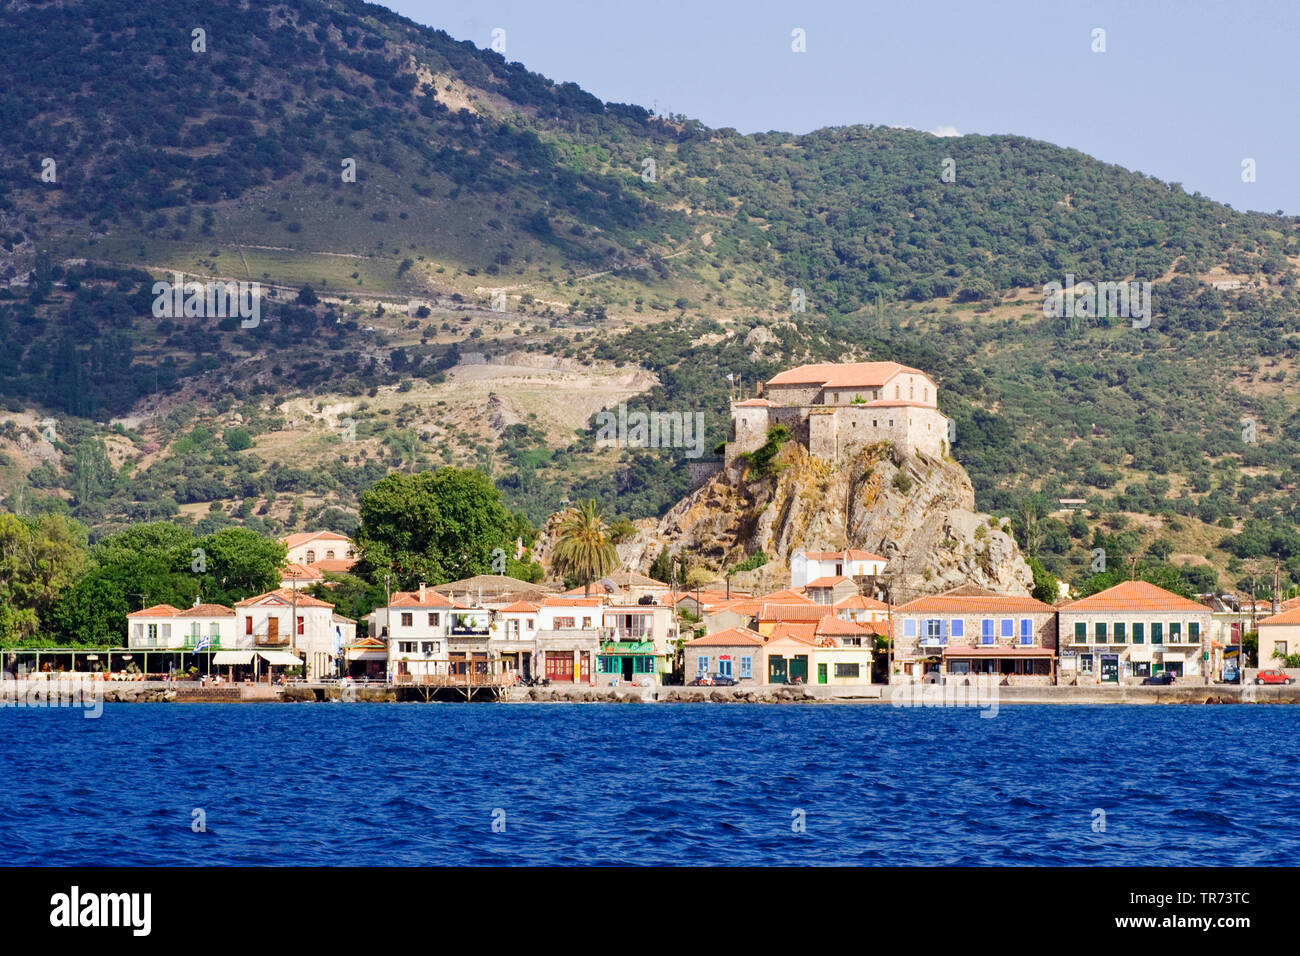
(1279, 637)
(415, 626)
(638, 642)
(206, 627)
(1132, 631)
(736, 652)
(568, 638)
(287, 628)
(972, 631)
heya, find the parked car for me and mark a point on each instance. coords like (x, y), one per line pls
(1230, 675)
(1162, 678)
(714, 680)
(1273, 677)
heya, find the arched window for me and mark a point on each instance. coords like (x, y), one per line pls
(311, 557)
(329, 555)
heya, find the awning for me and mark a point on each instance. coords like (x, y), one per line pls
(998, 650)
(225, 658)
(279, 657)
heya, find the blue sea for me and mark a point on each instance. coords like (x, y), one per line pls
(420, 784)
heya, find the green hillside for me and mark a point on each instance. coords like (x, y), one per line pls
(474, 175)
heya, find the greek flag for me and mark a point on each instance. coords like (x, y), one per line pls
(202, 644)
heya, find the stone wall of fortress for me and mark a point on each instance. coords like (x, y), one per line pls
(835, 432)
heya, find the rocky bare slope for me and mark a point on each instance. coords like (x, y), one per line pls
(918, 512)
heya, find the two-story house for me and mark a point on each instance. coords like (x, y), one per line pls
(972, 631)
(1131, 631)
(201, 628)
(415, 626)
(287, 628)
(809, 566)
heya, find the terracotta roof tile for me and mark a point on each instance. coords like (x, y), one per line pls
(842, 374)
(520, 607)
(731, 637)
(158, 610)
(970, 599)
(1135, 596)
(287, 596)
(795, 612)
(858, 602)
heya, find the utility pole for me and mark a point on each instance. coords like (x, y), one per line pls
(294, 624)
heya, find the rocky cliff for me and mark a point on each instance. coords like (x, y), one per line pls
(916, 511)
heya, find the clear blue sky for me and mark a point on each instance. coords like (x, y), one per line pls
(1185, 91)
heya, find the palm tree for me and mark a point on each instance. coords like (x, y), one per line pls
(583, 549)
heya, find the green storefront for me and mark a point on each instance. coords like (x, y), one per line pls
(627, 660)
(787, 670)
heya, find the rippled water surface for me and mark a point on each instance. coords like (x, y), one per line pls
(625, 784)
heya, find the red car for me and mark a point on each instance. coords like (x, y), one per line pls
(1273, 677)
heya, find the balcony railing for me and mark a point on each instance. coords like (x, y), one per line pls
(267, 640)
(627, 647)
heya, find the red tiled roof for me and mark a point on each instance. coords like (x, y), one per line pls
(858, 602)
(828, 582)
(158, 610)
(803, 632)
(520, 607)
(755, 403)
(842, 374)
(302, 537)
(306, 572)
(207, 610)
(1291, 616)
(287, 596)
(572, 602)
(431, 599)
(336, 565)
(731, 637)
(834, 626)
(1135, 596)
(970, 599)
(794, 612)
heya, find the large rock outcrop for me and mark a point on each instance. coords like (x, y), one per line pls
(917, 511)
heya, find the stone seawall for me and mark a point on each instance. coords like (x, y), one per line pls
(53, 693)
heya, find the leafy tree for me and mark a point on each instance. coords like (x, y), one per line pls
(40, 558)
(237, 439)
(433, 527)
(1045, 587)
(239, 563)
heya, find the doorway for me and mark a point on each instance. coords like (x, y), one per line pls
(776, 670)
(1110, 668)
